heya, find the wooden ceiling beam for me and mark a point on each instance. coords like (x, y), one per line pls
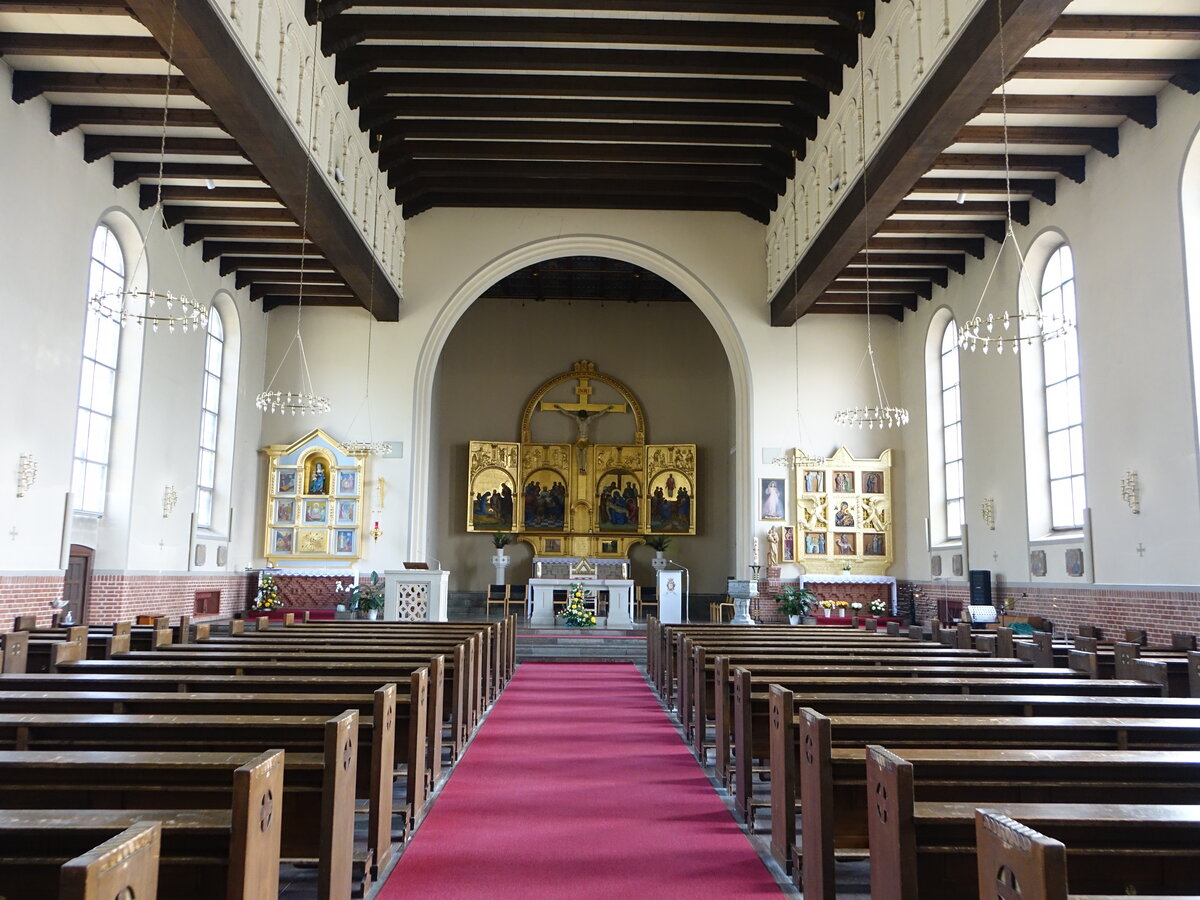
(323, 289)
(1108, 69)
(520, 33)
(149, 193)
(377, 86)
(786, 115)
(413, 154)
(836, 297)
(128, 171)
(64, 8)
(516, 170)
(826, 306)
(230, 263)
(312, 276)
(1069, 165)
(216, 230)
(222, 247)
(920, 245)
(841, 284)
(934, 274)
(762, 196)
(952, 94)
(100, 46)
(1142, 109)
(404, 131)
(29, 83)
(1020, 208)
(1104, 27)
(64, 118)
(956, 262)
(274, 301)
(1103, 139)
(174, 215)
(229, 84)
(821, 71)
(1039, 188)
(98, 146)
(600, 200)
(993, 228)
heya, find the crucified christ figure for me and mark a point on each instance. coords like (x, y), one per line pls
(583, 422)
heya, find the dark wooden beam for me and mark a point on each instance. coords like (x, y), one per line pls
(781, 115)
(61, 8)
(174, 215)
(398, 163)
(324, 289)
(836, 296)
(1142, 109)
(821, 71)
(1105, 69)
(1040, 188)
(101, 46)
(213, 61)
(992, 228)
(1154, 28)
(1020, 208)
(98, 146)
(149, 193)
(64, 118)
(1069, 166)
(215, 248)
(343, 32)
(517, 189)
(956, 262)
(951, 95)
(854, 272)
(194, 233)
(918, 245)
(1103, 139)
(843, 284)
(891, 310)
(28, 83)
(127, 171)
(377, 86)
(600, 200)
(274, 301)
(230, 263)
(312, 275)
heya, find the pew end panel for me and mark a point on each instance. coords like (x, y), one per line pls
(1017, 862)
(126, 865)
(257, 828)
(335, 870)
(890, 826)
(817, 811)
(15, 646)
(783, 775)
(383, 752)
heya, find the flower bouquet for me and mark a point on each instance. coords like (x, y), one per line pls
(856, 606)
(268, 594)
(878, 607)
(577, 614)
(827, 604)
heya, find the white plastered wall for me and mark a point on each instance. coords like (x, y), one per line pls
(53, 201)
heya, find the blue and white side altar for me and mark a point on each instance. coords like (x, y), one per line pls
(558, 573)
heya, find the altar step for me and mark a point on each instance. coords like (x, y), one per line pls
(576, 645)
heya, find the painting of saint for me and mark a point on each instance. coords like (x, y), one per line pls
(670, 515)
(282, 542)
(316, 511)
(771, 506)
(814, 543)
(872, 482)
(843, 482)
(618, 505)
(287, 482)
(873, 545)
(789, 543)
(1074, 558)
(845, 544)
(545, 501)
(347, 482)
(814, 481)
(317, 481)
(844, 517)
(345, 512)
(285, 512)
(492, 509)
(344, 541)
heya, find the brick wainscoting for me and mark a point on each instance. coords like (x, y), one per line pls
(1161, 611)
(117, 597)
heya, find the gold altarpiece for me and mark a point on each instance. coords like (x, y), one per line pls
(843, 513)
(581, 499)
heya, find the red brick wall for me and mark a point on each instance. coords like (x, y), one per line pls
(1161, 611)
(312, 591)
(766, 610)
(121, 597)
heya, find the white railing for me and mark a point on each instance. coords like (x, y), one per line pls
(280, 43)
(909, 43)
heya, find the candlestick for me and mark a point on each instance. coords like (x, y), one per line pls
(756, 551)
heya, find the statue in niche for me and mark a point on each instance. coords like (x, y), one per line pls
(318, 479)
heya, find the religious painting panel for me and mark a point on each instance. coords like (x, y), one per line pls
(956, 564)
(609, 547)
(345, 512)
(618, 502)
(553, 545)
(843, 482)
(814, 481)
(771, 498)
(845, 514)
(314, 540)
(935, 565)
(814, 543)
(282, 540)
(491, 500)
(874, 544)
(318, 471)
(544, 500)
(316, 512)
(285, 512)
(1074, 561)
(845, 543)
(671, 508)
(285, 482)
(347, 482)
(872, 482)
(343, 540)
(787, 547)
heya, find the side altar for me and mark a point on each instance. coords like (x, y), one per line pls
(582, 500)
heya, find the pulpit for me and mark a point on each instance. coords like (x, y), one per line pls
(416, 595)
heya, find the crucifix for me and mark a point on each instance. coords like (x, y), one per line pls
(12, 535)
(1141, 551)
(582, 414)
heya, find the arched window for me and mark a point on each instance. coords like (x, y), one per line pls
(952, 443)
(944, 421)
(1064, 410)
(210, 420)
(98, 377)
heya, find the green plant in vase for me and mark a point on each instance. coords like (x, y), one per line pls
(659, 542)
(795, 601)
(368, 596)
(501, 539)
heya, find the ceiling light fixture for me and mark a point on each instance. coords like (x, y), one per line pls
(980, 332)
(882, 414)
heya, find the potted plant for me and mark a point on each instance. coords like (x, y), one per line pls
(368, 596)
(500, 540)
(794, 601)
(659, 543)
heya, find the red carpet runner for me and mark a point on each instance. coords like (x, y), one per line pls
(578, 787)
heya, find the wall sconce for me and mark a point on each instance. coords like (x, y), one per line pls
(377, 532)
(26, 473)
(170, 498)
(1131, 491)
(988, 509)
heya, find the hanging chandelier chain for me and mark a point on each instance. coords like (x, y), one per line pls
(1004, 114)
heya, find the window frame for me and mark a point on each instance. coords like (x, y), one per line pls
(210, 410)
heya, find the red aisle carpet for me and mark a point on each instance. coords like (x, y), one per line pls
(577, 786)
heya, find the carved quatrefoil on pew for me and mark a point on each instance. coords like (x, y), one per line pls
(266, 812)
(347, 754)
(881, 796)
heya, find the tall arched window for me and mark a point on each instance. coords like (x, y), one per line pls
(1064, 410)
(210, 420)
(952, 443)
(98, 377)
(943, 406)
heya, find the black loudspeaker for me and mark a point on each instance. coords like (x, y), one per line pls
(981, 587)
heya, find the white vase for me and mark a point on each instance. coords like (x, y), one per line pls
(841, 612)
(372, 614)
(793, 620)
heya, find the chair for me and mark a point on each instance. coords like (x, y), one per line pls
(497, 595)
(644, 598)
(516, 597)
(559, 601)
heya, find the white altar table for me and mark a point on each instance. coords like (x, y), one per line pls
(620, 599)
(854, 579)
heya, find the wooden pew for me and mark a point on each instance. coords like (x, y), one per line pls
(125, 866)
(912, 853)
(1011, 854)
(205, 854)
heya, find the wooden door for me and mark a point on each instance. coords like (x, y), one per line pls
(76, 585)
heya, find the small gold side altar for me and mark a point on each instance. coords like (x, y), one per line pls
(581, 499)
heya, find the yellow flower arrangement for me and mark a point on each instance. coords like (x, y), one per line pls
(577, 614)
(268, 594)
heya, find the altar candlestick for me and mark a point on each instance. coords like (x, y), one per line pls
(756, 551)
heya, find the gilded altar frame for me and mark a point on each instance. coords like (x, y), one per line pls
(843, 513)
